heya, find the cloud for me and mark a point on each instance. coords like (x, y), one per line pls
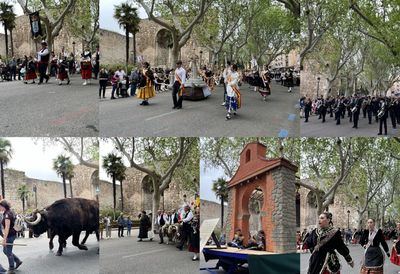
(206, 181)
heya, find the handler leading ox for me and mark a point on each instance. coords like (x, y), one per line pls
(67, 217)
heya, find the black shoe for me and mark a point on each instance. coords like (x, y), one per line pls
(178, 107)
(173, 107)
(379, 133)
(180, 248)
(68, 82)
(146, 103)
(140, 240)
(112, 98)
(142, 103)
(47, 80)
(160, 242)
(40, 83)
(17, 264)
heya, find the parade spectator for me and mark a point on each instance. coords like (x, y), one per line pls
(134, 78)
(103, 79)
(107, 223)
(120, 222)
(144, 226)
(128, 226)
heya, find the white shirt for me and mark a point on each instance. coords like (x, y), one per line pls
(232, 81)
(181, 72)
(41, 53)
(188, 218)
(120, 75)
(226, 73)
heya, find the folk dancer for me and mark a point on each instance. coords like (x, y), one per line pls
(43, 57)
(146, 85)
(371, 240)
(63, 71)
(323, 243)
(233, 97)
(179, 85)
(30, 71)
(186, 227)
(395, 256)
(227, 71)
(96, 66)
(194, 241)
(86, 66)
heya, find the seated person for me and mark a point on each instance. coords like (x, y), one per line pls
(257, 242)
(237, 240)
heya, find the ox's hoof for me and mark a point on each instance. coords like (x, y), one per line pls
(83, 247)
(58, 253)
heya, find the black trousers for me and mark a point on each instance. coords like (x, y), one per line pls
(323, 115)
(103, 85)
(356, 116)
(42, 72)
(184, 237)
(369, 112)
(175, 95)
(393, 118)
(120, 231)
(382, 122)
(306, 114)
(337, 117)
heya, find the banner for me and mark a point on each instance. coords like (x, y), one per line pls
(36, 27)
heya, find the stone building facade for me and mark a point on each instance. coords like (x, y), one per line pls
(152, 44)
(83, 185)
(137, 191)
(212, 210)
(339, 208)
(2, 45)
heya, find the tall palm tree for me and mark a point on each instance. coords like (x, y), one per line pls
(220, 188)
(6, 17)
(128, 19)
(60, 165)
(112, 164)
(120, 176)
(5, 156)
(11, 27)
(69, 175)
(23, 193)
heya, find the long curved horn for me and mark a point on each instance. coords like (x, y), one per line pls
(38, 218)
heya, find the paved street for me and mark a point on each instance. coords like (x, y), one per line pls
(356, 251)
(126, 255)
(48, 109)
(315, 128)
(275, 117)
(37, 259)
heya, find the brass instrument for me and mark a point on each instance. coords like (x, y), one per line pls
(381, 112)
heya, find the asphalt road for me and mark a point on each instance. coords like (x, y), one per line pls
(126, 255)
(48, 110)
(315, 128)
(356, 252)
(37, 259)
(275, 117)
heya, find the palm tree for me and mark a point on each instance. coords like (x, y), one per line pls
(112, 164)
(23, 194)
(120, 176)
(220, 187)
(11, 27)
(129, 20)
(5, 156)
(60, 165)
(7, 17)
(69, 175)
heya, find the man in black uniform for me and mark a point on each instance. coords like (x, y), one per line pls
(369, 109)
(383, 113)
(356, 110)
(392, 111)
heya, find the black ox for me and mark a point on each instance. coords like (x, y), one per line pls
(65, 218)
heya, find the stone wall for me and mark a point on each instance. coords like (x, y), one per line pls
(136, 198)
(2, 45)
(47, 191)
(212, 210)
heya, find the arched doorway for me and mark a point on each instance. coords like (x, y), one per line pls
(95, 184)
(163, 47)
(147, 194)
(256, 210)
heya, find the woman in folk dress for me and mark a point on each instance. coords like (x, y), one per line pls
(146, 85)
(233, 97)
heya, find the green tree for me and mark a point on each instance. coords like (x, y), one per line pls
(23, 193)
(220, 188)
(129, 20)
(120, 176)
(7, 18)
(5, 156)
(69, 175)
(112, 165)
(60, 165)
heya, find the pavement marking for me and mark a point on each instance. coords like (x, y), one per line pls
(165, 114)
(292, 117)
(283, 133)
(145, 253)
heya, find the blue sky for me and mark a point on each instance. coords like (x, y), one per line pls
(207, 176)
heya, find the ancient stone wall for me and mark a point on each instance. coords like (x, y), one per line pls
(212, 210)
(2, 45)
(47, 191)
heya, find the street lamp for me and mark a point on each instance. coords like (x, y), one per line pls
(201, 57)
(73, 47)
(348, 219)
(318, 87)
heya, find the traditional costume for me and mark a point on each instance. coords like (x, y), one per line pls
(43, 57)
(30, 71)
(322, 243)
(233, 97)
(373, 256)
(63, 71)
(144, 226)
(146, 86)
(194, 239)
(86, 66)
(178, 87)
(395, 256)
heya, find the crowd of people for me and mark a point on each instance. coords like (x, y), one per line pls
(325, 241)
(48, 64)
(181, 226)
(377, 109)
(255, 241)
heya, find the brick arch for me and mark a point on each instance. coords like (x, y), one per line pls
(275, 177)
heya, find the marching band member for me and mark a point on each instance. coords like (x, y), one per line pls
(233, 98)
(179, 85)
(43, 57)
(86, 66)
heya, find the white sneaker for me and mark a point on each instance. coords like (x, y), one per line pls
(84, 83)
(223, 104)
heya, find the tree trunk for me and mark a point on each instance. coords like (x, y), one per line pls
(23, 205)
(6, 39)
(70, 188)
(134, 49)
(122, 196)
(65, 186)
(174, 54)
(222, 215)
(114, 194)
(12, 43)
(156, 204)
(127, 48)
(3, 194)
(359, 219)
